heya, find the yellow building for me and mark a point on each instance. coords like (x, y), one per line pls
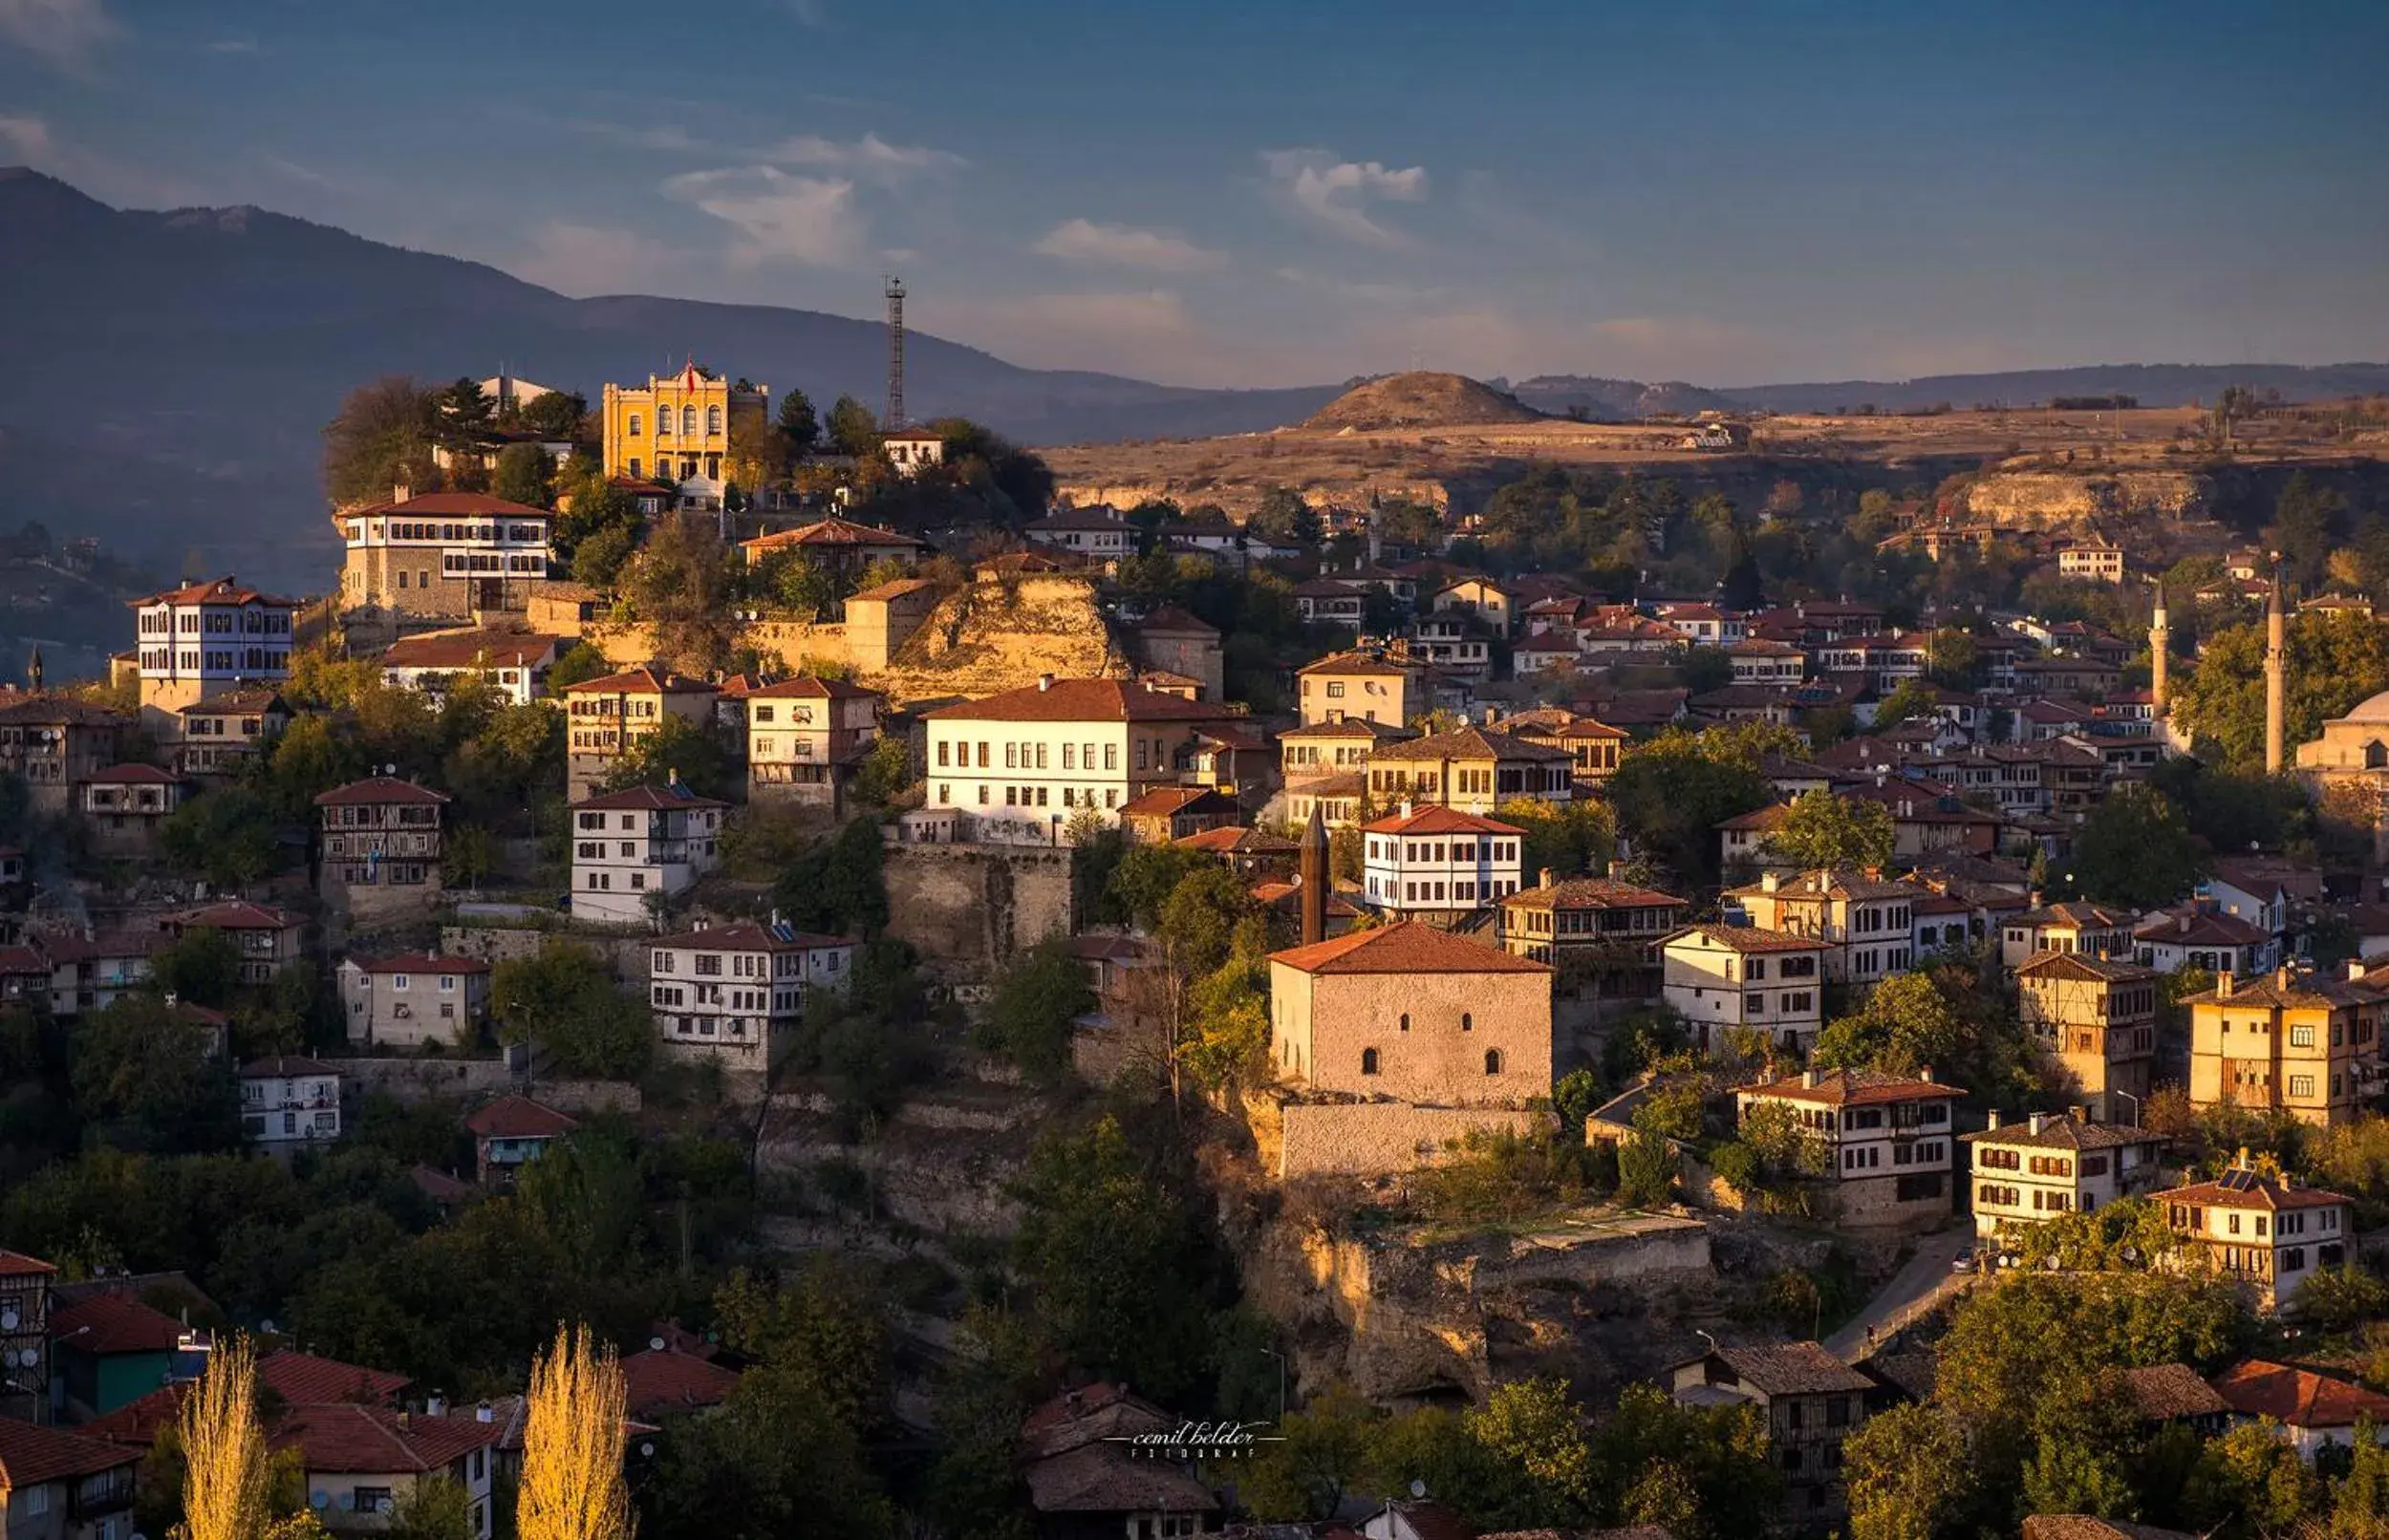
(2300, 1043)
(678, 428)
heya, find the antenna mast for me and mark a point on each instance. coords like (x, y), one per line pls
(893, 417)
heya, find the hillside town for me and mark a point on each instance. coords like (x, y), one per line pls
(915, 963)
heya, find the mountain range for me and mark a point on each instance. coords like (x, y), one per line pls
(171, 371)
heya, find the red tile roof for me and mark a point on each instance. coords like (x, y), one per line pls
(2243, 1189)
(300, 1377)
(459, 650)
(2297, 1398)
(1592, 893)
(1403, 949)
(645, 799)
(805, 687)
(31, 1456)
(644, 681)
(454, 504)
(833, 532)
(17, 1265)
(1080, 701)
(223, 591)
(1851, 1087)
(370, 1440)
(112, 1323)
(240, 914)
(131, 774)
(1438, 821)
(519, 1117)
(380, 790)
(1171, 801)
(1746, 938)
(658, 1381)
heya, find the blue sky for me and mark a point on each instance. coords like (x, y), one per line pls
(1236, 193)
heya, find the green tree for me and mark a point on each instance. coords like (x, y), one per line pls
(1906, 1025)
(380, 439)
(147, 1076)
(1531, 1429)
(556, 414)
(1912, 701)
(1566, 839)
(578, 666)
(436, 1507)
(2135, 849)
(1114, 1261)
(1038, 997)
(1820, 829)
(798, 422)
(839, 884)
(203, 965)
(1672, 793)
(2330, 663)
(599, 561)
(229, 837)
(1910, 1475)
(677, 746)
(853, 431)
(1282, 518)
(683, 583)
(1323, 1454)
(525, 475)
(563, 1000)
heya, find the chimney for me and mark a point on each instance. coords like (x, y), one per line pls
(1045, 682)
(2031, 899)
(436, 1406)
(483, 1413)
(1768, 882)
(1542, 877)
(1991, 1121)
(2281, 977)
(2078, 1112)
(406, 1420)
(2356, 969)
(2222, 985)
(1811, 1078)
(1926, 1075)
(2182, 924)
(2039, 1121)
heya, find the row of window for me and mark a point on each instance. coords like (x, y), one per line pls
(1035, 796)
(1381, 889)
(1435, 850)
(1370, 1062)
(394, 873)
(255, 659)
(688, 422)
(253, 622)
(1034, 755)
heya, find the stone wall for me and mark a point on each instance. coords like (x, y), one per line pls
(412, 1081)
(1375, 1137)
(494, 944)
(967, 909)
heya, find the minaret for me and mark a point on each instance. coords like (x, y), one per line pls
(2276, 684)
(2160, 638)
(1314, 875)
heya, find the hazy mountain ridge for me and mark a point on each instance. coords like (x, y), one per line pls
(173, 370)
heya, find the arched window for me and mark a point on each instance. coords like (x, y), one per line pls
(633, 425)
(688, 422)
(713, 420)
(1468, 1023)
(1368, 1061)
(1406, 1022)
(1493, 1061)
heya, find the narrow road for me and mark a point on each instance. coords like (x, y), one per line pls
(1925, 1277)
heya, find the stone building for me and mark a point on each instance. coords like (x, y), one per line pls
(56, 744)
(445, 556)
(1412, 1014)
(1177, 642)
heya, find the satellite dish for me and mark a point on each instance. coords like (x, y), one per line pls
(656, 1343)
(647, 1451)
(319, 1498)
(8, 1319)
(1418, 1488)
(267, 1327)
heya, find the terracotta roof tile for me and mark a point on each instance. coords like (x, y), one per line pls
(2243, 1189)
(31, 1456)
(345, 1438)
(1080, 701)
(645, 799)
(643, 682)
(2297, 1398)
(112, 1323)
(376, 790)
(1439, 820)
(1851, 1087)
(519, 1117)
(1404, 948)
(658, 1381)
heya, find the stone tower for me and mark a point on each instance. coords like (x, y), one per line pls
(2277, 684)
(2160, 638)
(1314, 879)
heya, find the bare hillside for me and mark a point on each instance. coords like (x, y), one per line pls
(1421, 398)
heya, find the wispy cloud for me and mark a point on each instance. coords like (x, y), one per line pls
(871, 157)
(28, 140)
(236, 45)
(1127, 245)
(298, 173)
(64, 31)
(1336, 194)
(779, 217)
